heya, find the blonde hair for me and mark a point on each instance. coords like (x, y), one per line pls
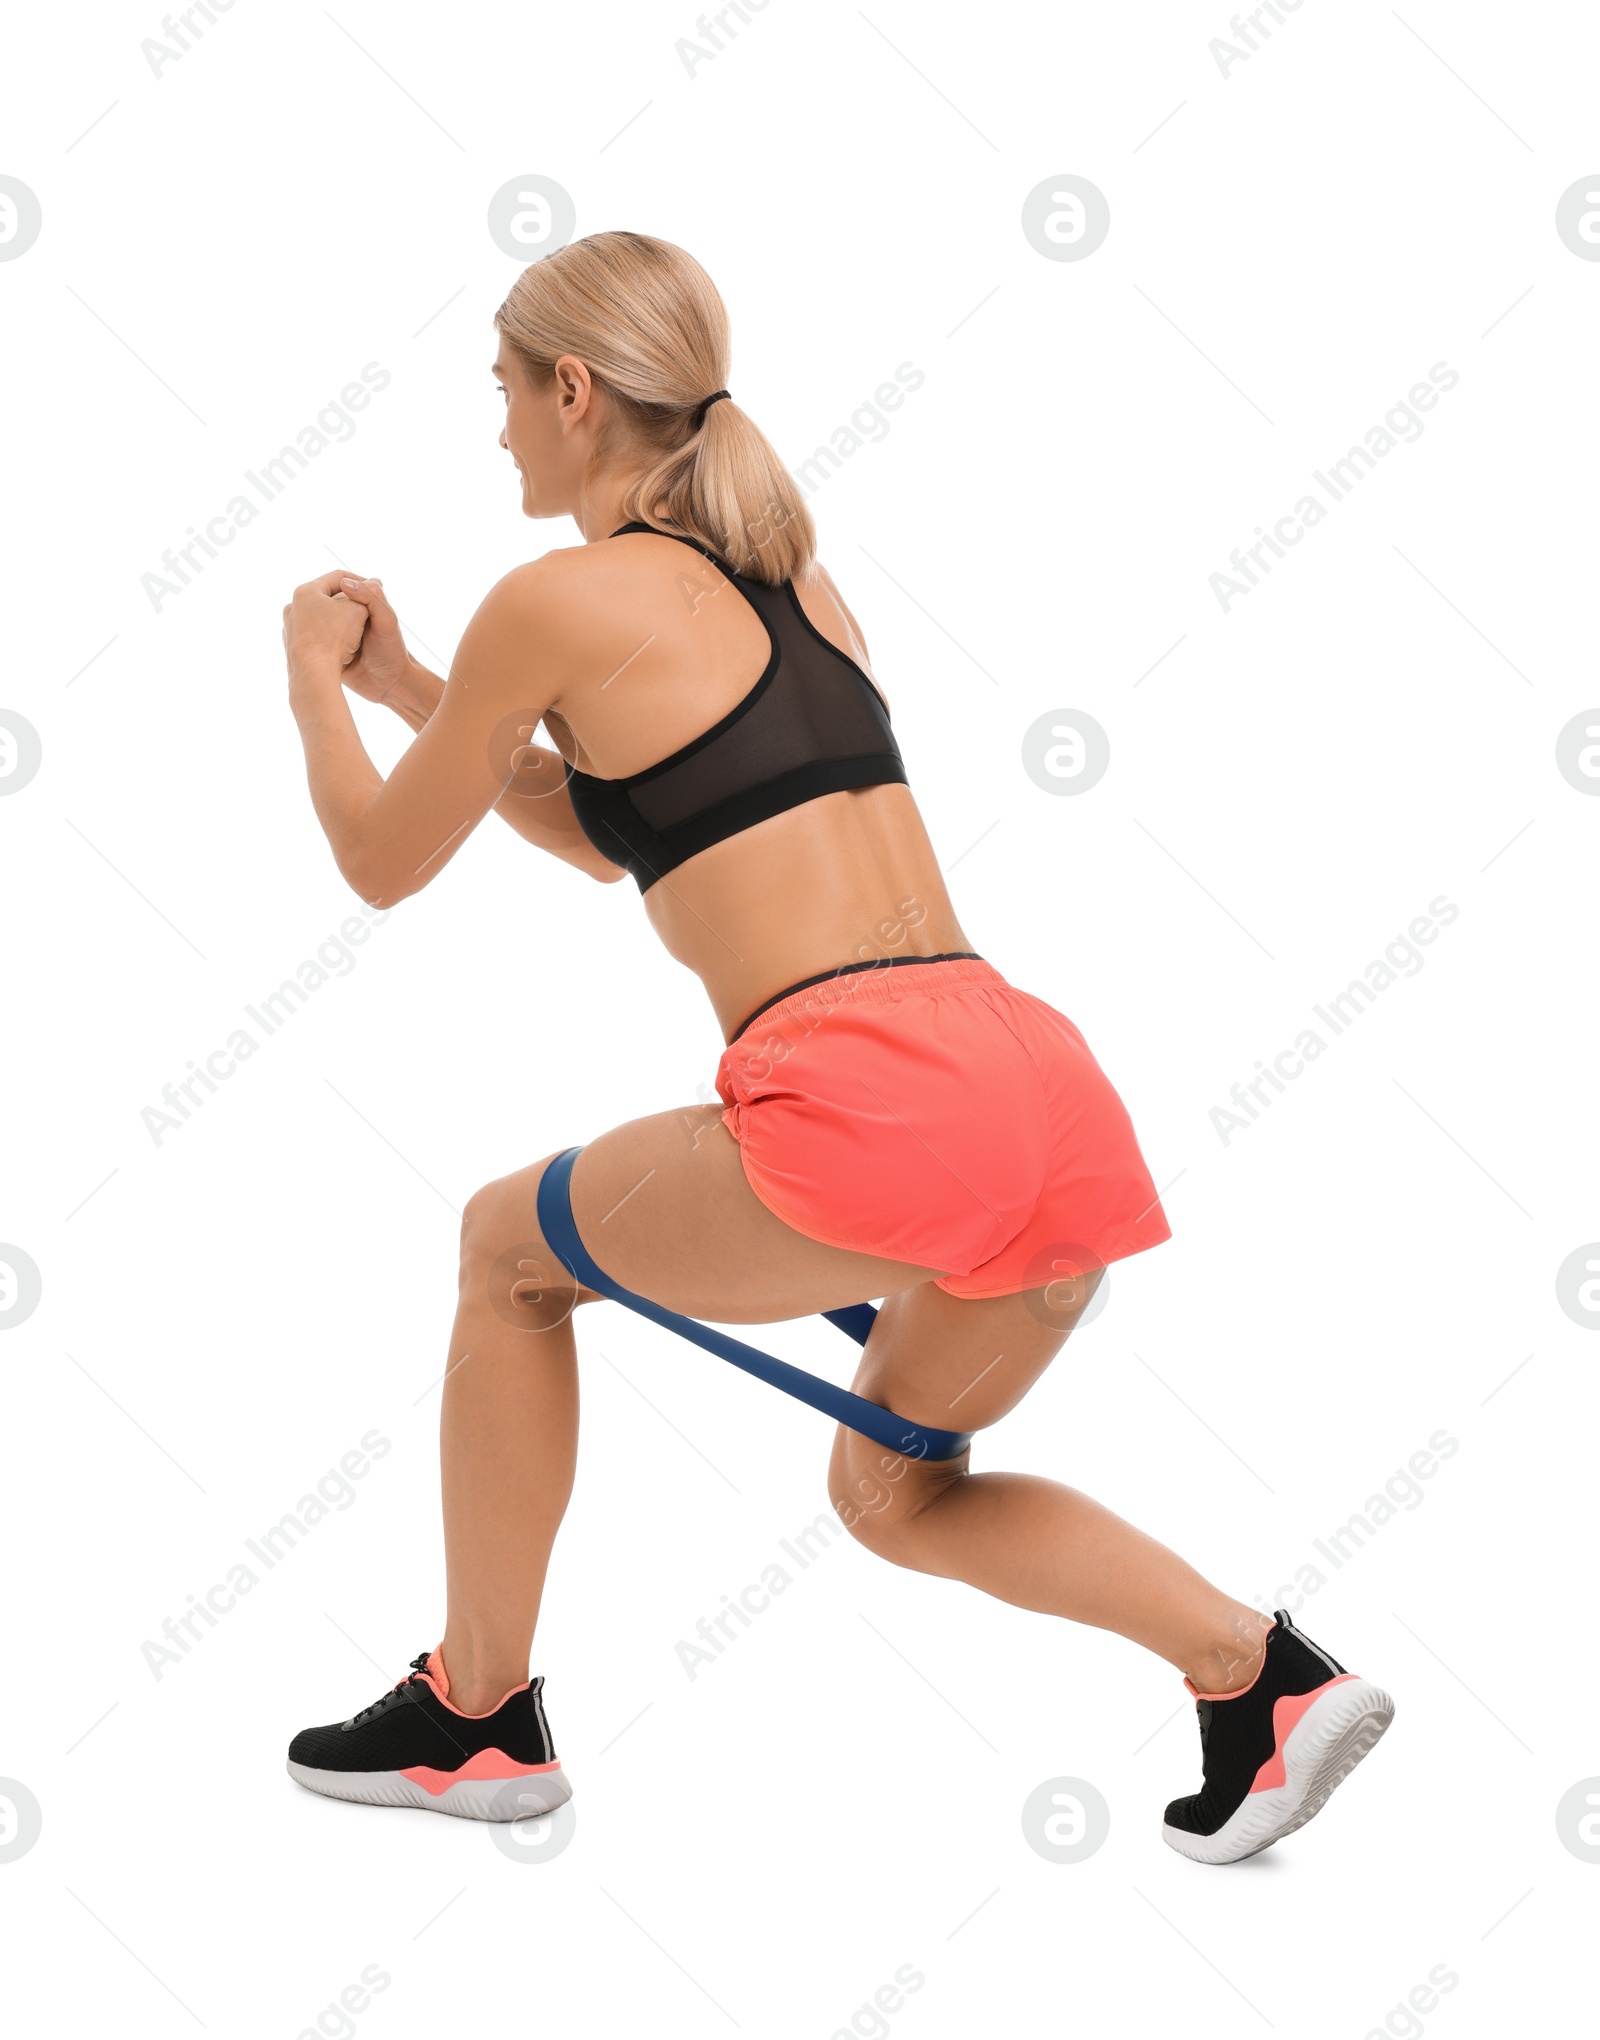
(648, 324)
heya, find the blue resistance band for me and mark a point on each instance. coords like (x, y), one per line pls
(899, 1434)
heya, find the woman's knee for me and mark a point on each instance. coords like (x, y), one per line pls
(505, 1261)
(880, 1495)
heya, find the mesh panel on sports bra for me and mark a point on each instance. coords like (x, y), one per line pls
(812, 724)
(812, 706)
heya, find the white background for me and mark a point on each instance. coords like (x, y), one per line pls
(1371, 1261)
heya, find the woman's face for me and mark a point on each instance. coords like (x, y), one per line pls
(549, 431)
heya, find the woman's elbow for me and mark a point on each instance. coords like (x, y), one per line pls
(374, 881)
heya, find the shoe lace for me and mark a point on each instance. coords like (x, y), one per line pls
(418, 1666)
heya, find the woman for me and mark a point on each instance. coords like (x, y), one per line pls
(896, 1120)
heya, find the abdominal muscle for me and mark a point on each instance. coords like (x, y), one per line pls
(850, 878)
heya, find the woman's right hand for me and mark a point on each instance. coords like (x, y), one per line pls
(383, 670)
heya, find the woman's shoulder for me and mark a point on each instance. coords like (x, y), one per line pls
(566, 581)
(578, 602)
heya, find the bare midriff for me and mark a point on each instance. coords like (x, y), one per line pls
(845, 880)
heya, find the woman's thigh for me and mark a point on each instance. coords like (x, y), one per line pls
(663, 1207)
(960, 1363)
(950, 1362)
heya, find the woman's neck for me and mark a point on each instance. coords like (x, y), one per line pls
(599, 511)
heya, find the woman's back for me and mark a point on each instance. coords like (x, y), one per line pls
(661, 653)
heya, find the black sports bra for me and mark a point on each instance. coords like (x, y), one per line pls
(812, 724)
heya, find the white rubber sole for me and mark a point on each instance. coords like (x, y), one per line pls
(1320, 1752)
(469, 1799)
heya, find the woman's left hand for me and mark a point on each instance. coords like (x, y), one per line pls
(322, 626)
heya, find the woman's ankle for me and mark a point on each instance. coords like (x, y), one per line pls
(1230, 1656)
(477, 1673)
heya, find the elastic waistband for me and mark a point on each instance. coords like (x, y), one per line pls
(872, 983)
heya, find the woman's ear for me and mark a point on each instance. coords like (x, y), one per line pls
(574, 390)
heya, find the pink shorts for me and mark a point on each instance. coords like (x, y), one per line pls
(932, 1113)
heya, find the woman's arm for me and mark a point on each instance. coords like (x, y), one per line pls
(391, 836)
(535, 802)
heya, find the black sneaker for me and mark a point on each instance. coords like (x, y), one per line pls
(412, 1748)
(1273, 1751)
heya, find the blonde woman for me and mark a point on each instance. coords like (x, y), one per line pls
(895, 1119)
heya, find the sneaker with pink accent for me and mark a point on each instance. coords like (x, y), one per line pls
(413, 1748)
(1273, 1751)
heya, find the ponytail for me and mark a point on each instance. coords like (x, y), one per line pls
(648, 323)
